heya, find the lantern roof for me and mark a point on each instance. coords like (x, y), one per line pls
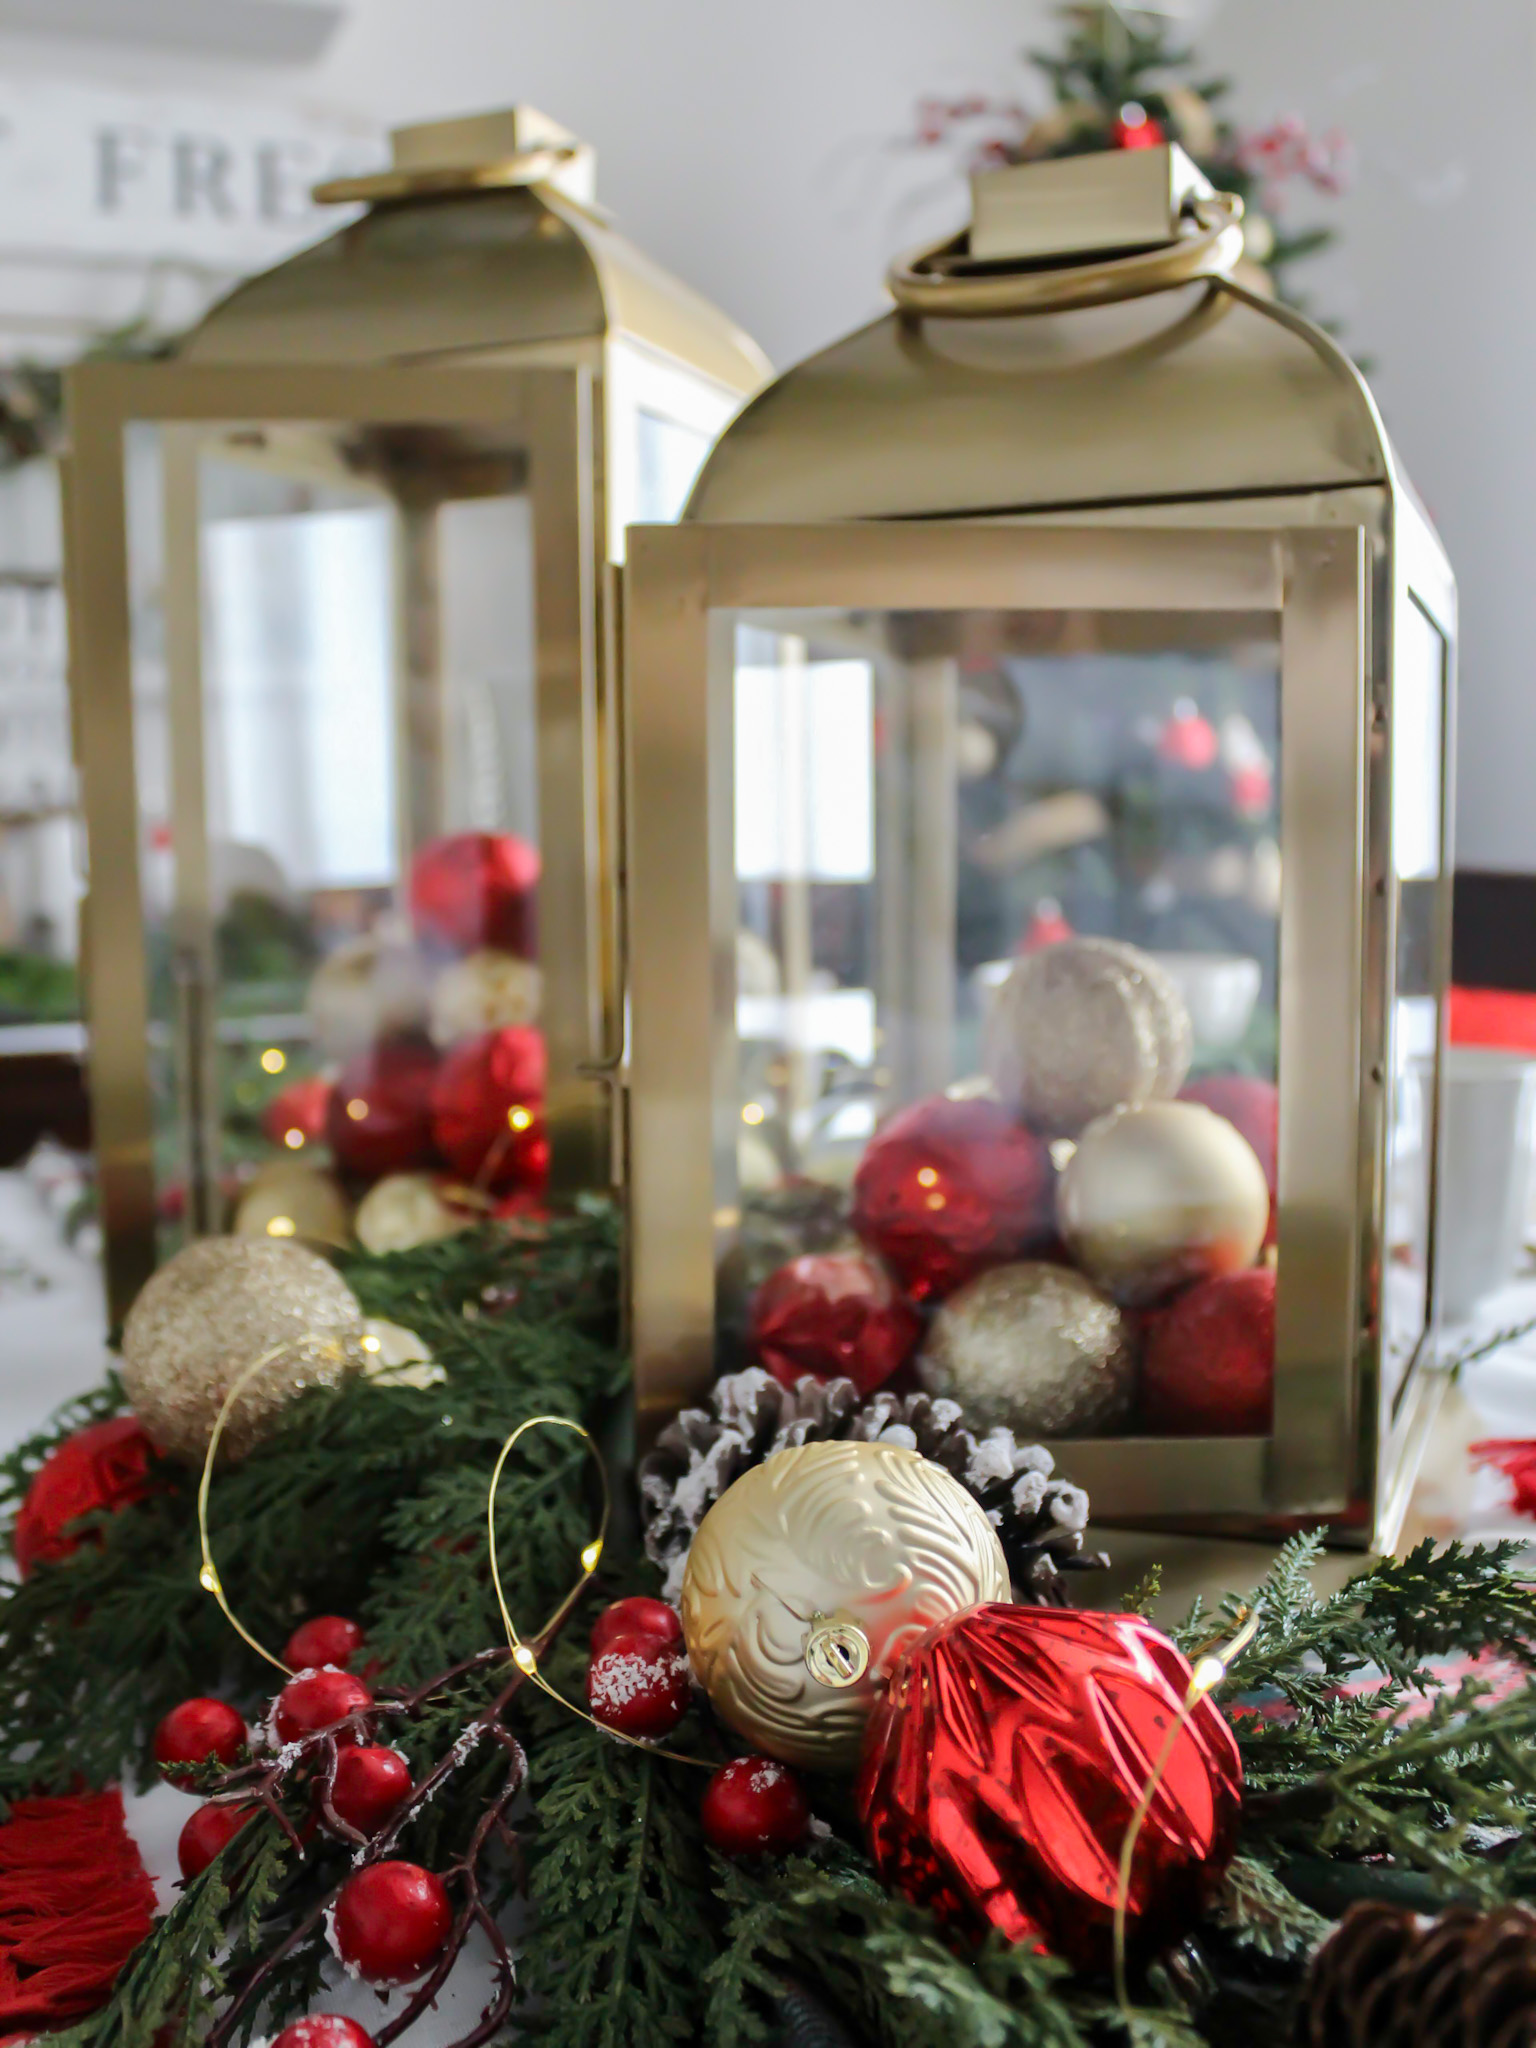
(482, 242)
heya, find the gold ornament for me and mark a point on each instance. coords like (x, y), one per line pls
(291, 1199)
(209, 1314)
(1082, 1028)
(809, 1576)
(1158, 1196)
(1034, 1347)
(485, 991)
(407, 1209)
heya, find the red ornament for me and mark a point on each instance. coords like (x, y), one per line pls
(1252, 790)
(755, 1807)
(834, 1315)
(637, 1616)
(371, 1785)
(639, 1686)
(488, 1109)
(105, 1465)
(317, 1700)
(323, 1639)
(1253, 1107)
(1208, 1368)
(946, 1189)
(1134, 128)
(324, 2030)
(392, 1922)
(1188, 740)
(197, 1732)
(476, 889)
(209, 1830)
(296, 1115)
(1047, 927)
(1003, 1766)
(380, 1117)
(1515, 1457)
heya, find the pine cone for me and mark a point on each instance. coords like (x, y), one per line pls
(1040, 1519)
(1385, 1978)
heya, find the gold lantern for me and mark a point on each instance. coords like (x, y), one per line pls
(1041, 724)
(340, 600)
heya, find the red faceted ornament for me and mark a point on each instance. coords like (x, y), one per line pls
(755, 1807)
(639, 1686)
(209, 1830)
(324, 2030)
(317, 1700)
(324, 1639)
(380, 1116)
(946, 1189)
(488, 1109)
(1251, 1105)
(1004, 1764)
(296, 1115)
(1208, 1367)
(105, 1465)
(392, 1922)
(637, 1616)
(476, 889)
(834, 1315)
(197, 1732)
(371, 1785)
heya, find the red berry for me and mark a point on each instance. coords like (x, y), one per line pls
(206, 1833)
(324, 2030)
(325, 1639)
(637, 1616)
(638, 1686)
(392, 1922)
(317, 1700)
(1209, 1364)
(371, 1785)
(197, 1731)
(755, 1807)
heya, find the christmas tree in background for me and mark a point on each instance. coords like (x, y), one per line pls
(1121, 81)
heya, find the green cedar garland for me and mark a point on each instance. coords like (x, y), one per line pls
(372, 1500)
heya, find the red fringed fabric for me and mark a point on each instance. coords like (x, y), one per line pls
(75, 1902)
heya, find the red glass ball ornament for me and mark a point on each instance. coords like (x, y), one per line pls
(207, 1832)
(638, 1616)
(946, 1189)
(1252, 1105)
(392, 1922)
(1004, 1763)
(380, 1115)
(199, 1731)
(296, 1115)
(1253, 790)
(1134, 128)
(834, 1315)
(371, 1785)
(323, 1639)
(1188, 740)
(317, 1700)
(755, 1807)
(488, 1109)
(324, 2030)
(1208, 1366)
(105, 1465)
(639, 1686)
(476, 889)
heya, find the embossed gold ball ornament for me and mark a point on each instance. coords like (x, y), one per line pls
(1156, 1197)
(809, 1576)
(405, 1210)
(209, 1314)
(1035, 1348)
(1083, 1027)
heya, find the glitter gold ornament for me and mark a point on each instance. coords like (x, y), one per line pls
(209, 1314)
(1033, 1347)
(1084, 1027)
(487, 991)
(291, 1199)
(832, 1555)
(1156, 1197)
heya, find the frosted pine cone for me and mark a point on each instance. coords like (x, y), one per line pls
(1040, 1519)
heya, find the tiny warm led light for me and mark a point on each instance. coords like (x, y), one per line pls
(293, 1140)
(753, 1113)
(372, 1344)
(937, 1202)
(927, 1177)
(281, 1226)
(208, 1579)
(590, 1556)
(524, 1658)
(357, 1109)
(1206, 1676)
(273, 1060)
(519, 1118)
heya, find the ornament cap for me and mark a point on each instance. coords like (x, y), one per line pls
(837, 1650)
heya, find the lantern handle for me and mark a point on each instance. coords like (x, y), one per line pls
(928, 285)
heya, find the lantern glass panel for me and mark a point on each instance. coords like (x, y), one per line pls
(664, 419)
(921, 799)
